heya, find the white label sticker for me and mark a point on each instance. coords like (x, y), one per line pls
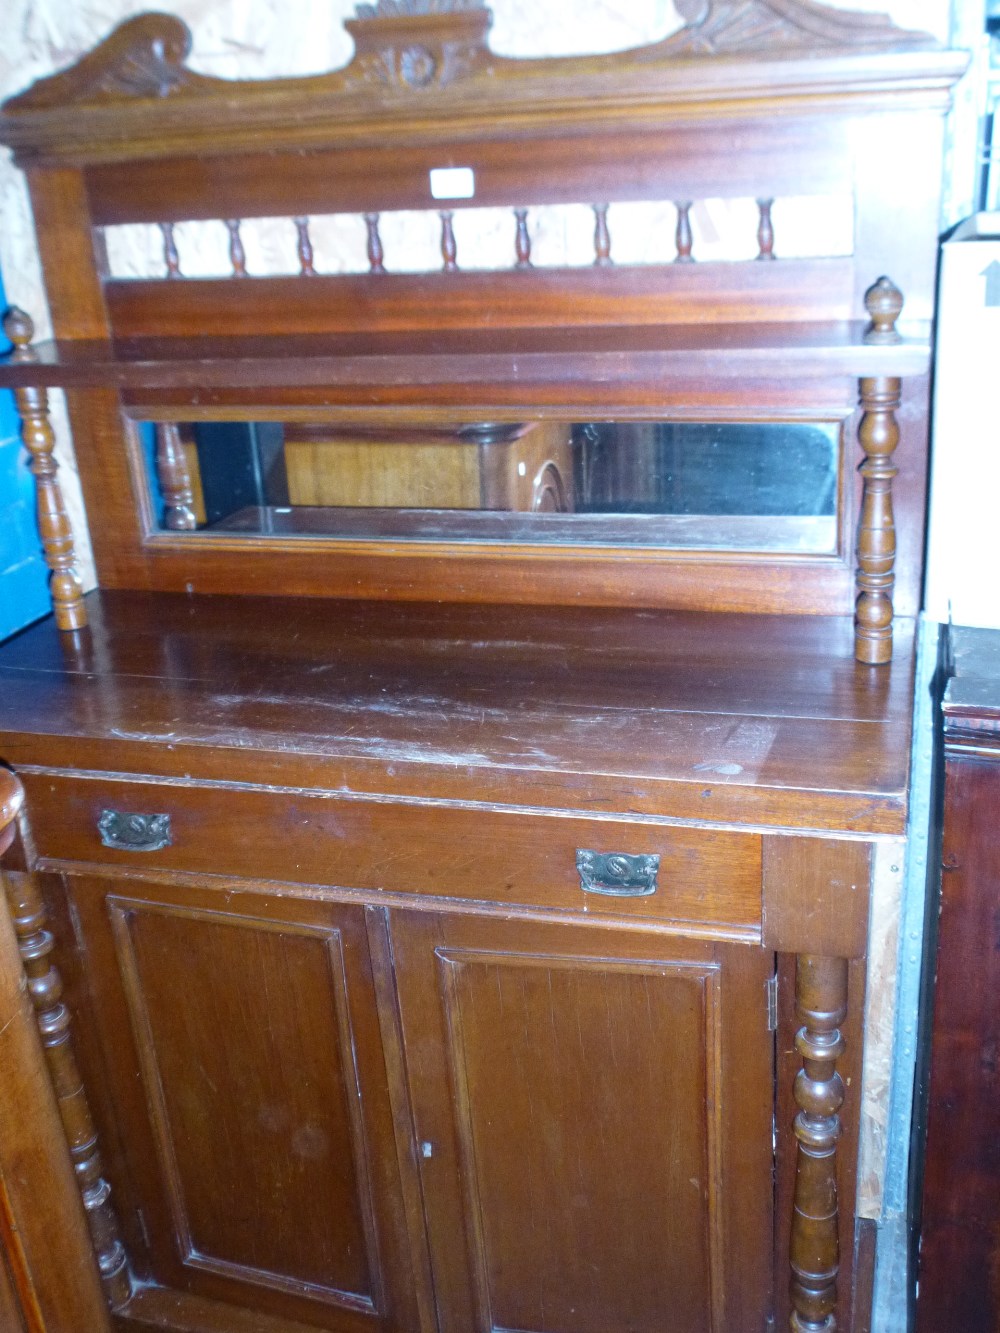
(453, 183)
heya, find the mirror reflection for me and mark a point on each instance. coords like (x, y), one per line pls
(769, 486)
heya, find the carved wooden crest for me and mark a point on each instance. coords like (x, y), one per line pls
(143, 57)
(414, 45)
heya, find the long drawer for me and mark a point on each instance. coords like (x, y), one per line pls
(454, 851)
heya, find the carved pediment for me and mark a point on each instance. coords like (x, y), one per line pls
(417, 46)
(143, 57)
(737, 27)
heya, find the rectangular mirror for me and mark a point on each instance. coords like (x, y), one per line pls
(752, 486)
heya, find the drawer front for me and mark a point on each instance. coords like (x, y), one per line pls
(484, 854)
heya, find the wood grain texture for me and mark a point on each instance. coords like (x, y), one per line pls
(258, 1145)
(587, 711)
(591, 1119)
(11, 1316)
(510, 859)
(474, 469)
(816, 892)
(544, 364)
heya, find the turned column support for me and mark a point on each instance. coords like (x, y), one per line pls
(43, 1227)
(878, 435)
(53, 521)
(174, 476)
(35, 944)
(814, 1254)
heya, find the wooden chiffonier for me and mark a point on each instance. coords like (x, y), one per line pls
(459, 831)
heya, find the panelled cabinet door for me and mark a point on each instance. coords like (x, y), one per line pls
(594, 1114)
(241, 1038)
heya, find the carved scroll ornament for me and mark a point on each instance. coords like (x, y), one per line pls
(142, 57)
(413, 45)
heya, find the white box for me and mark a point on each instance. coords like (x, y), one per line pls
(963, 550)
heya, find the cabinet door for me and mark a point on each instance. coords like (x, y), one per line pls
(594, 1114)
(250, 1104)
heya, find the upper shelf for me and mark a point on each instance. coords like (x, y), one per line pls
(504, 364)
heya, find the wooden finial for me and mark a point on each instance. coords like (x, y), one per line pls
(884, 303)
(53, 521)
(20, 329)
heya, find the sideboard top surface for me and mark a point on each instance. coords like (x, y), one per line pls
(759, 720)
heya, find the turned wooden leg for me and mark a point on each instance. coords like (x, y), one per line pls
(821, 1006)
(42, 1227)
(35, 943)
(53, 521)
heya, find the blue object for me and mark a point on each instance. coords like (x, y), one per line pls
(24, 595)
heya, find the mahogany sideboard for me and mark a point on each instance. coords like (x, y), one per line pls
(443, 917)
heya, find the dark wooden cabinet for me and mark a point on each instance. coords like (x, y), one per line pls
(585, 1112)
(959, 1283)
(451, 837)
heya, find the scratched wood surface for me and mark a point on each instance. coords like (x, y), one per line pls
(706, 717)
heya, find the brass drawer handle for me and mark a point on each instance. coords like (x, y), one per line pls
(617, 873)
(132, 832)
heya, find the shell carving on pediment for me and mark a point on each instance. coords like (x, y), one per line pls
(736, 27)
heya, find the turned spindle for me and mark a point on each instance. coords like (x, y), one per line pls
(303, 245)
(53, 521)
(237, 255)
(602, 237)
(449, 250)
(375, 255)
(683, 240)
(35, 943)
(878, 435)
(814, 1254)
(765, 230)
(170, 257)
(174, 476)
(522, 240)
